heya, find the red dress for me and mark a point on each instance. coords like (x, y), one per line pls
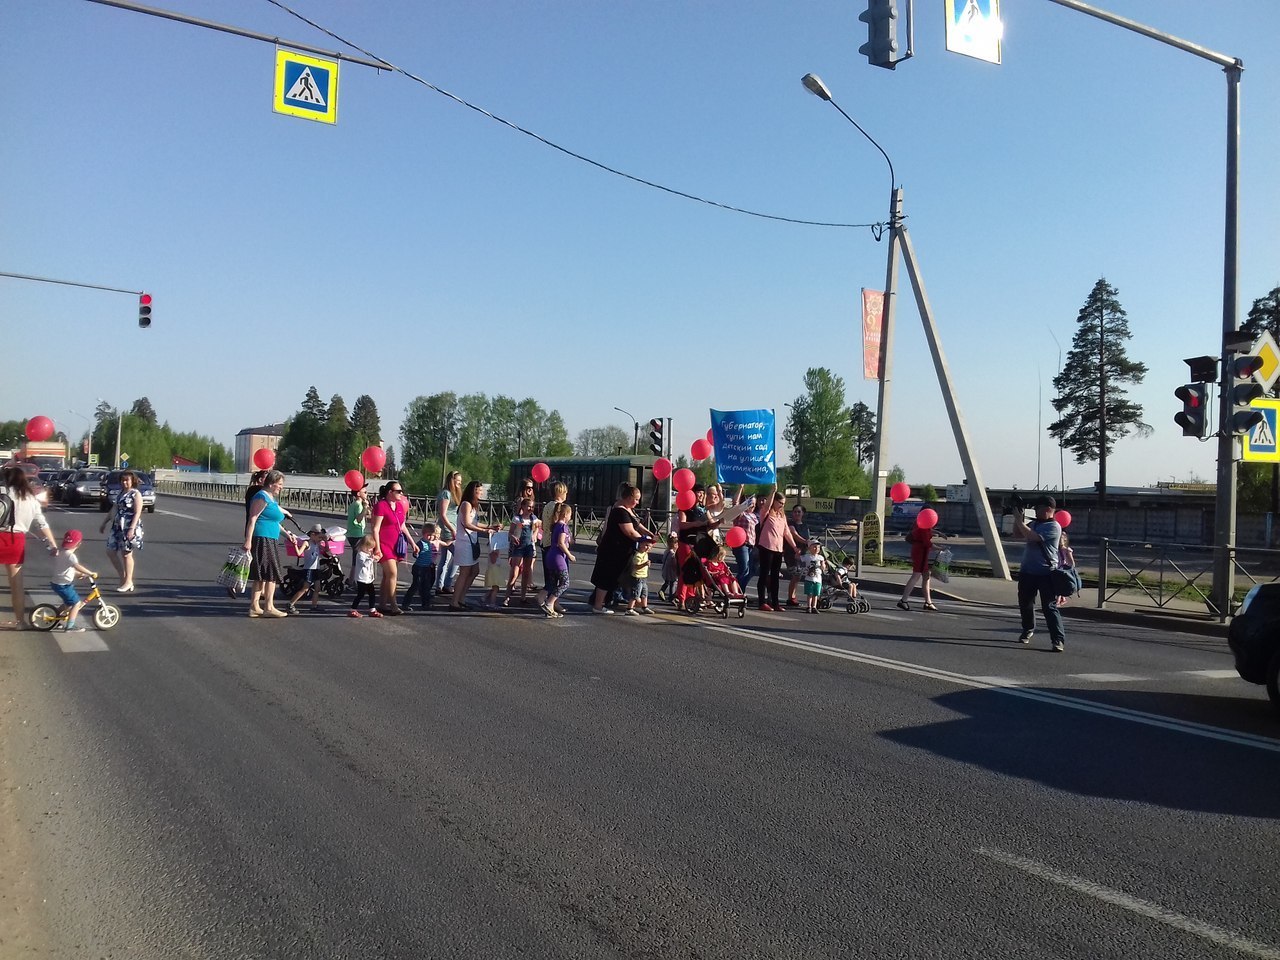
(921, 543)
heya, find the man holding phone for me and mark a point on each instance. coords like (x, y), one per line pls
(1034, 577)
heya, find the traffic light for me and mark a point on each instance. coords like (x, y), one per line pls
(1244, 390)
(144, 310)
(881, 18)
(1203, 369)
(1194, 418)
(655, 436)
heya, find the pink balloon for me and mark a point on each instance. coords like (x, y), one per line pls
(711, 437)
(927, 519)
(39, 428)
(661, 468)
(373, 459)
(684, 479)
(264, 459)
(700, 450)
(540, 472)
(899, 491)
(1063, 518)
(735, 538)
(354, 480)
(686, 500)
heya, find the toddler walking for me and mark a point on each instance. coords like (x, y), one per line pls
(422, 581)
(362, 567)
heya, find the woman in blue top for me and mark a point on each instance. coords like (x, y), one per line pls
(261, 533)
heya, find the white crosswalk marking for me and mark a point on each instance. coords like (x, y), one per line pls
(87, 642)
(1107, 677)
(1212, 674)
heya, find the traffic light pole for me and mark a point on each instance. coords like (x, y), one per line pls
(1224, 526)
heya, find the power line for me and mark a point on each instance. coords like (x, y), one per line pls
(555, 146)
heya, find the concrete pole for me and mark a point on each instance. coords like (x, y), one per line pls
(880, 459)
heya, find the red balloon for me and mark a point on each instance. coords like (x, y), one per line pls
(927, 519)
(373, 459)
(39, 428)
(700, 449)
(686, 500)
(735, 538)
(899, 491)
(1063, 518)
(711, 436)
(684, 479)
(354, 480)
(264, 458)
(661, 468)
(540, 472)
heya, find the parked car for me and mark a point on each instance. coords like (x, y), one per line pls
(1254, 638)
(110, 489)
(83, 487)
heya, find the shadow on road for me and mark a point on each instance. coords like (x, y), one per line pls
(1099, 756)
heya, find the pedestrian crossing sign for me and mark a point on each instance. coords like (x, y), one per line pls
(1260, 442)
(306, 87)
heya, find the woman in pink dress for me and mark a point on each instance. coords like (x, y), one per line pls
(390, 514)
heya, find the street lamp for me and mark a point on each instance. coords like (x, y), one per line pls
(88, 452)
(635, 437)
(900, 239)
(119, 425)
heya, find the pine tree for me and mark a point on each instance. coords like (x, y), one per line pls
(143, 410)
(313, 406)
(1092, 400)
(366, 428)
(862, 426)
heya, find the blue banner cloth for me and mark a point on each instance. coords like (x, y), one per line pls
(744, 445)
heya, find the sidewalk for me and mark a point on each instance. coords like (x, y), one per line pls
(1127, 606)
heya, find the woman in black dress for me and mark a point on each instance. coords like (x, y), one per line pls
(622, 531)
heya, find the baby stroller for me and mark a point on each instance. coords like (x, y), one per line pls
(330, 581)
(838, 587)
(706, 592)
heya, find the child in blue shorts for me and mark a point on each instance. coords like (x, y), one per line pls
(66, 567)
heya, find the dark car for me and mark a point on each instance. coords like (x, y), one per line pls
(83, 487)
(58, 488)
(1254, 638)
(110, 489)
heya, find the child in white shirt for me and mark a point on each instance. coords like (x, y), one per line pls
(812, 565)
(66, 567)
(362, 567)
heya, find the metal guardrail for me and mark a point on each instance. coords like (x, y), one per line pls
(1179, 571)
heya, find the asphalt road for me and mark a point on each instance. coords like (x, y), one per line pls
(498, 785)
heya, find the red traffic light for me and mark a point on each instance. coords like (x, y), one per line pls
(144, 299)
(1246, 367)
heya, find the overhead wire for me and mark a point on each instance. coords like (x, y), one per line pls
(877, 228)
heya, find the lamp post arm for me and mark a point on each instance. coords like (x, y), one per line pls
(893, 180)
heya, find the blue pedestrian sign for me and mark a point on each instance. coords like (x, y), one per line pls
(1260, 441)
(306, 87)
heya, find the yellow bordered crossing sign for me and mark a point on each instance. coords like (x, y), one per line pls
(306, 86)
(1260, 442)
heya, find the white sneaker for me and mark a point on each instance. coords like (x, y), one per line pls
(605, 610)
(631, 613)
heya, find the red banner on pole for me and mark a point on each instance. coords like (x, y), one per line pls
(872, 320)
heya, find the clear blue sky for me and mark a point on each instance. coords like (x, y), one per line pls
(418, 246)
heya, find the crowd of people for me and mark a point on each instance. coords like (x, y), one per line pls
(444, 554)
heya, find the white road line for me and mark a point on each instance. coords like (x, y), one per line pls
(1042, 696)
(184, 516)
(1205, 931)
(1001, 681)
(1107, 677)
(885, 616)
(87, 642)
(1212, 674)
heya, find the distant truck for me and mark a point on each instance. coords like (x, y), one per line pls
(47, 454)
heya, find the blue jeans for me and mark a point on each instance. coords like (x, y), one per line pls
(745, 558)
(448, 573)
(1030, 584)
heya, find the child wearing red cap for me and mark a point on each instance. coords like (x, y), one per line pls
(65, 569)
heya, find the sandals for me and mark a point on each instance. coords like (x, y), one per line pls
(903, 605)
(929, 606)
